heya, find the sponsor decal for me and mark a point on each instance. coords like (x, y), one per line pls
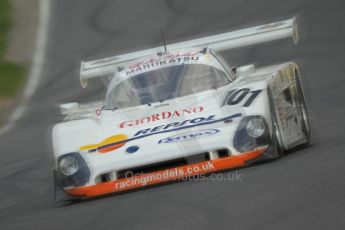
(165, 175)
(165, 58)
(167, 127)
(152, 63)
(132, 149)
(119, 140)
(189, 136)
(116, 139)
(162, 116)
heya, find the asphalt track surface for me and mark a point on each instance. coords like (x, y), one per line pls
(304, 190)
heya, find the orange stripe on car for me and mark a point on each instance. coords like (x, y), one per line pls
(172, 174)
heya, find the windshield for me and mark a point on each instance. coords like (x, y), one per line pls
(164, 84)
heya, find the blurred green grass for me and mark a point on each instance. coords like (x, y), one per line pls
(11, 78)
(11, 74)
(5, 23)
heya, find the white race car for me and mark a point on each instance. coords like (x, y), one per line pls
(177, 112)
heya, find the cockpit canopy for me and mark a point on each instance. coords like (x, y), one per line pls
(163, 79)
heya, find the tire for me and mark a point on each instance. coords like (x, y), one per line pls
(276, 135)
(304, 112)
(60, 195)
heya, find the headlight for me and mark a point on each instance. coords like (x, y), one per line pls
(68, 165)
(255, 127)
(252, 132)
(73, 170)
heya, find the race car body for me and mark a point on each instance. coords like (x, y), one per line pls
(171, 115)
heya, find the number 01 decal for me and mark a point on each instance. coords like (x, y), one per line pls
(235, 96)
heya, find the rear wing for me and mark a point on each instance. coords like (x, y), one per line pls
(219, 42)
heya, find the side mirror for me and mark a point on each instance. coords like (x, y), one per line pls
(244, 70)
(69, 108)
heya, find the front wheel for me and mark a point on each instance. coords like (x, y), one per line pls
(276, 134)
(304, 112)
(59, 193)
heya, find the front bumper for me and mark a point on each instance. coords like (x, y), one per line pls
(162, 176)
